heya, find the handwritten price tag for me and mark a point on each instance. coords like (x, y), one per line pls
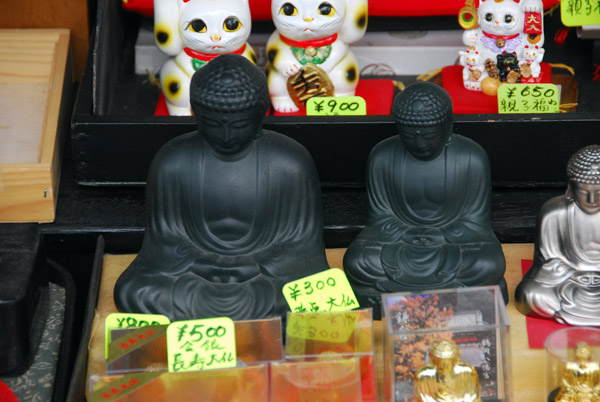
(201, 345)
(574, 13)
(125, 320)
(336, 106)
(528, 98)
(326, 291)
(336, 327)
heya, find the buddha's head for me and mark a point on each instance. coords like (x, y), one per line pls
(583, 352)
(583, 171)
(229, 97)
(444, 355)
(423, 115)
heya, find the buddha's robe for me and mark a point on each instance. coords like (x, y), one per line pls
(460, 385)
(428, 221)
(224, 236)
(580, 382)
(564, 280)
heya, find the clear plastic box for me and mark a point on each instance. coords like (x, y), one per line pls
(335, 336)
(572, 364)
(474, 318)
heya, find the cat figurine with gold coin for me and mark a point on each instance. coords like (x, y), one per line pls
(502, 33)
(194, 32)
(309, 53)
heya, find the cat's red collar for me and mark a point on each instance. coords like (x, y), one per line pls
(206, 56)
(306, 43)
(505, 37)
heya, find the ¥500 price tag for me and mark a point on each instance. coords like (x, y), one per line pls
(334, 106)
(574, 13)
(528, 98)
(326, 291)
(201, 344)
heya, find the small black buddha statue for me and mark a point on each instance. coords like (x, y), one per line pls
(429, 197)
(564, 281)
(233, 211)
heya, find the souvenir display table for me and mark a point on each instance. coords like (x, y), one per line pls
(527, 364)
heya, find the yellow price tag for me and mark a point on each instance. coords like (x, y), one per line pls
(336, 106)
(575, 13)
(326, 291)
(528, 98)
(336, 327)
(201, 344)
(126, 320)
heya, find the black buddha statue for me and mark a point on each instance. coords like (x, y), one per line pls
(429, 195)
(233, 211)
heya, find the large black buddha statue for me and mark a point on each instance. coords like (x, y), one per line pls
(233, 211)
(429, 197)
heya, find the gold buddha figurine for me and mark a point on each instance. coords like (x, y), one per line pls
(446, 378)
(581, 379)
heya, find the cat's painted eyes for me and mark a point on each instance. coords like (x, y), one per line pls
(489, 17)
(326, 9)
(508, 18)
(197, 26)
(288, 9)
(231, 24)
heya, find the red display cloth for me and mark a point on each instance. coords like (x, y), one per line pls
(6, 395)
(378, 93)
(261, 9)
(474, 102)
(538, 329)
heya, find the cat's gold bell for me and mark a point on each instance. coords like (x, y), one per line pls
(310, 51)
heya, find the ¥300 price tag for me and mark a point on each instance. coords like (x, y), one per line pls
(574, 13)
(528, 98)
(126, 320)
(201, 345)
(326, 291)
(336, 106)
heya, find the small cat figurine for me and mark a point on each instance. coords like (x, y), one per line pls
(505, 28)
(195, 32)
(309, 54)
(473, 70)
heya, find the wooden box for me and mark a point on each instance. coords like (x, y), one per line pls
(35, 83)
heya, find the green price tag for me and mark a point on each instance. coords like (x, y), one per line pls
(528, 98)
(126, 320)
(575, 13)
(201, 345)
(336, 106)
(326, 291)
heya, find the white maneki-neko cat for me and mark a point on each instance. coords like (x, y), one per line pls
(504, 40)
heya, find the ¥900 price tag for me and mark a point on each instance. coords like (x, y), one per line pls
(201, 344)
(336, 106)
(326, 291)
(126, 320)
(528, 98)
(574, 13)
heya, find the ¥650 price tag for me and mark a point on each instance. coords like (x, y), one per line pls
(201, 344)
(528, 98)
(334, 106)
(326, 291)
(574, 13)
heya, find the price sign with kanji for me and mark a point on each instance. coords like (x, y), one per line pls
(336, 106)
(528, 98)
(326, 291)
(574, 13)
(201, 345)
(126, 320)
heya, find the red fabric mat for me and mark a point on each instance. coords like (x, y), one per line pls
(538, 329)
(6, 395)
(474, 102)
(378, 94)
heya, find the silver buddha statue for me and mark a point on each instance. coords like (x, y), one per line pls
(564, 281)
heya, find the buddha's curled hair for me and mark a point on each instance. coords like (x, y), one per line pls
(229, 83)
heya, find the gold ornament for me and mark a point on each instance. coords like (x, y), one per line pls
(309, 82)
